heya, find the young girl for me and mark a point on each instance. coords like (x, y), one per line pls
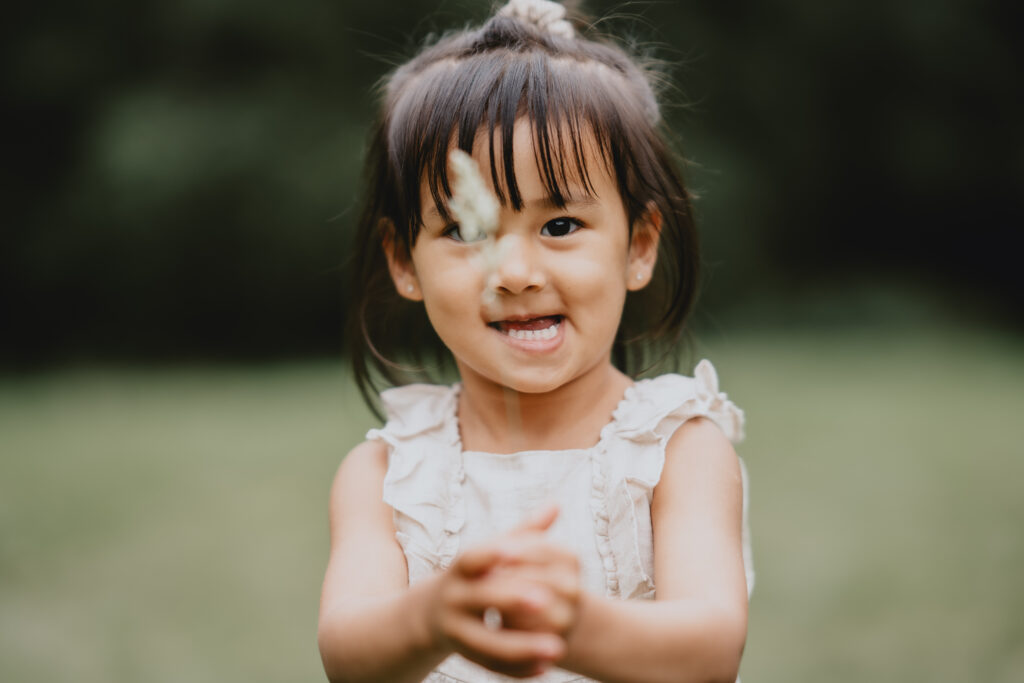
(548, 515)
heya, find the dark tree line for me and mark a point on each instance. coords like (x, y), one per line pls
(180, 178)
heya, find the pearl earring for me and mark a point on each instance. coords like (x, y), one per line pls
(409, 288)
(639, 276)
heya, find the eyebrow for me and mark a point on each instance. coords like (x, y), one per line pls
(583, 202)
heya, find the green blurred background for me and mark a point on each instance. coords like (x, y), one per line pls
(179, 190)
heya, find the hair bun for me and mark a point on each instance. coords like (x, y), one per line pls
(546, 15)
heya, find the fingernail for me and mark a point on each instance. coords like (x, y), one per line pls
(536, 598)
(551, 649)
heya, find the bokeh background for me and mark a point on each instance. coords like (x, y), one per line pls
(179, 188)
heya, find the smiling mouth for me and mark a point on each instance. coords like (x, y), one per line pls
(533, 329)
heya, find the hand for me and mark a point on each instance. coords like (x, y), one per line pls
(533, 583)
(553, 571)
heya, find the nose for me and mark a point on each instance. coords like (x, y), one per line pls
(518, 268)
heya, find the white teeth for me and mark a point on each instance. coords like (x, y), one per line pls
(534, 335)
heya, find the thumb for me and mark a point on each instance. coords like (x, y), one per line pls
(540, 520)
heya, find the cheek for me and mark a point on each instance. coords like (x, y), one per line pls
(596, 293)
(595, 276)
(440, 272)
(450, 290)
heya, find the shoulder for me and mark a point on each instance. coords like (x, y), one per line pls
(360, 477)
(662, 417)
(701, 479)
(370, 458)
(658, 407)
(705, 425)
(700, 446)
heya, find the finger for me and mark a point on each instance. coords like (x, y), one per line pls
(532, 548)
(506, 592)
(540, 520)
(560, 581)
(554, 616)
(524, 603)
(479, 560)
(505, 647)
(508, 660)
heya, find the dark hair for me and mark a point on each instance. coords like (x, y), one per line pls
(481, 81)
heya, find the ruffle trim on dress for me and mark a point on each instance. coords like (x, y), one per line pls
(650, 412)
(423, 484)
(414, 409)
(425, 474)
(602, 522)
(647, 409)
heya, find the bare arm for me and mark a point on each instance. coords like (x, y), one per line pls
(374, 627)
(696, 628)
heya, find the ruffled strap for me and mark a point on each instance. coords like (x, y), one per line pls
(423, 483)
(628, 462)
(414, 409)
(653, 409)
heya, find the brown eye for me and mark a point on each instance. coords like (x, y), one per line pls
(560, 227)
(454, 233)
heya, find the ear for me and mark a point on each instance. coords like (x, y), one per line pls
(400, 265)
(643, 249)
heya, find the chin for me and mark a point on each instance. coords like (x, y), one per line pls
(532, 384)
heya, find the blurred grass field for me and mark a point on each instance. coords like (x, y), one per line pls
(169, 524)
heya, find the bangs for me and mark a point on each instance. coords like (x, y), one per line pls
(571, 106)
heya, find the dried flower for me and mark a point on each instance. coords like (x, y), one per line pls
(473, 205)
(476, 209)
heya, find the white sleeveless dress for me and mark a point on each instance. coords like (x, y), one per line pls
(446, 499)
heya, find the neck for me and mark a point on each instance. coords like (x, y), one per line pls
(496, 419)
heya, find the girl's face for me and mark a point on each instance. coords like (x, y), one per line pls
(548, 313)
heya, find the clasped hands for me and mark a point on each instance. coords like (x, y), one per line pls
(533, 583)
